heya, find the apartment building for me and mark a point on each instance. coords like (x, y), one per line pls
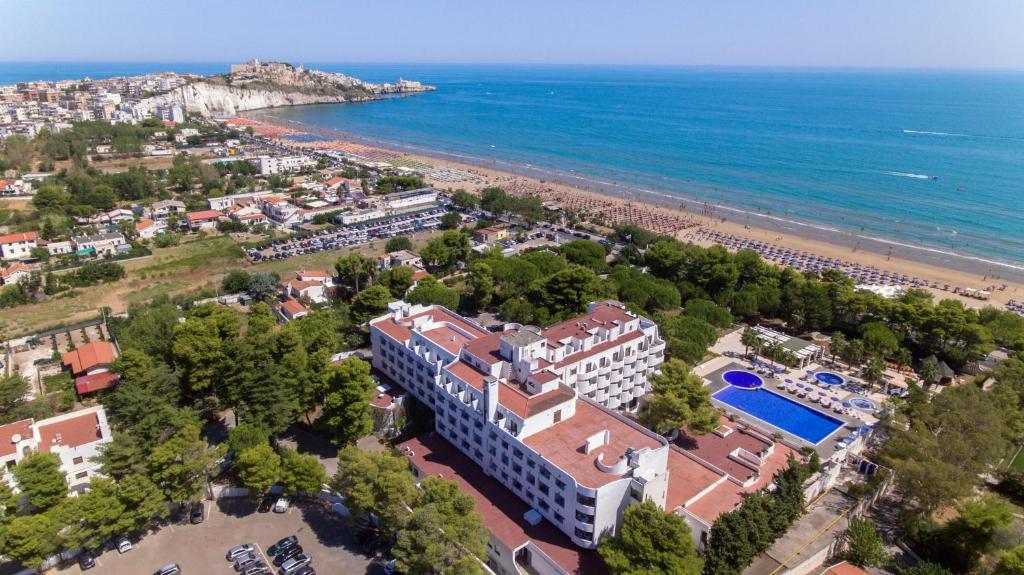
(283, 164)
(499, 399)
(76, 437)
(18, 246)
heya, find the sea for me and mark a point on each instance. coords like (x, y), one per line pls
(922, 164)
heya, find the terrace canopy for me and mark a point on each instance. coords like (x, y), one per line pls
(804, 350)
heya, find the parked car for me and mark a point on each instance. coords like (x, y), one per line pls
(291, 566)
(169, 569)
(239, 550)
(307, 570)
(282, 505)
(198, 513)
(247, 562)
(259, 568)
(283, 545)
(86, 560)
(124, 545)
(284, 556)
(266, 504)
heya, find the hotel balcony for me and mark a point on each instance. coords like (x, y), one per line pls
(658, 347)
(614, 389)
(601, 396)
(625, 397)
(585, 509)
(629, 359)
(587, 377)
(587, 527)
(605, 370)
(615, 376)
(628, 370)
(613, 402)
(638, 392)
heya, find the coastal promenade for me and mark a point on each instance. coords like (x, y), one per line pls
(946, 279)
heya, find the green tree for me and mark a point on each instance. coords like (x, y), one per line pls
(1011, 562)
(878, 339)
(481, 285)
(679, 400)
(143, 502)
(444, 534)
(463, 199)
(122, 457)
(398, 243)
(92, 517)
(429, 291)
(398, 280)
(750, 339)
(346, 409)
(12, 392)
(301, 472)
(874, 371)
(445, 251)
(929, 371)
(354, 269)
(259, 468)
(181, 465)
(370, 303)
(866, 547)
(247, 435)
(40, 478)
(450, 221)
(262, 285)
(708, 311)
(568, 292)
(651, 541)
(237, 281)
(585, 253)
(376, 482)
(31, 539)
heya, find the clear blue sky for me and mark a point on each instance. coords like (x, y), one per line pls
(872, 33)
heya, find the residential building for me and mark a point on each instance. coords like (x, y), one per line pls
(103, 244)
(18, 246)
(410, 200)
(247, 214)
(76, 437)
(359, 216)
(203, 220)
(312, 290)
(575, 462)
(14, 273)
(491, 234)
(316, 276)
(59, 248)
(292, 309)
(148, 229)
(170, 113)
(120, 215)
(400, 258)
(164, 208)
(283, 164)
(90, 365)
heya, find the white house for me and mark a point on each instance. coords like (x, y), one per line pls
(18, 246)
(76, 437)
(148, 228)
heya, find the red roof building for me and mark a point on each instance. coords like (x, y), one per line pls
(90, 356)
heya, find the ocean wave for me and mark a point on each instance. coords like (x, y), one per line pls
(943, 134)
(912, 175)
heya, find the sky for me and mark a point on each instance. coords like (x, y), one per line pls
(802, 33)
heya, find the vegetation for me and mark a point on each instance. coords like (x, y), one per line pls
(866, 547)
(651, 541)
(679, 400)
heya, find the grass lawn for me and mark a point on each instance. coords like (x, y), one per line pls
(1018, 460)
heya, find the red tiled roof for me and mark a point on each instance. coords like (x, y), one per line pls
(19, 237)
(467, 374)
(7, 433)
(418, 275)
(486, 348)
(88, 356)
(293, 307)
(203, 215)
(448, 338)
(525, 405)
(501, 510)
(562, 442)
(604, 315)
(844, 568)
(95, 382)
(13, 269)
(686, 479)
(74, 432)
(144, 224)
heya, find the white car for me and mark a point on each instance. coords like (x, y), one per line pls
(124, 545)
(282, 505)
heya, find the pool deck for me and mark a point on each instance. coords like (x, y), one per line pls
(827, 446)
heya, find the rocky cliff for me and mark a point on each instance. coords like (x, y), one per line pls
(256, 85)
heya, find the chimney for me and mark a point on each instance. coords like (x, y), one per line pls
(491, 396)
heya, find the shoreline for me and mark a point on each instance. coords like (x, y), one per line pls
(933, 264)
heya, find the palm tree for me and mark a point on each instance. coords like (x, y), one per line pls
(874, 371)
(929, 371)
(749, 339)
(774, 350)
(838, 345)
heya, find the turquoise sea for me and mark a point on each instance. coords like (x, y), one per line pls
(929, 164)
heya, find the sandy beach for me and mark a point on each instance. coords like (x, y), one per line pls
(682, 218)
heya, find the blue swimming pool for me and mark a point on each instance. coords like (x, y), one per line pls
(829, 378)
(781, 412)
(743, 379)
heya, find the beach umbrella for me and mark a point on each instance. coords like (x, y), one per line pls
(789, 381)
(822, 393)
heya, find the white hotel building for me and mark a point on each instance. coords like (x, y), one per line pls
(528, 406)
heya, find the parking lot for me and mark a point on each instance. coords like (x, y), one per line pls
(352, 235)
(200, 549)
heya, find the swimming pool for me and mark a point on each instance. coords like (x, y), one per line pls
(780, 412)
(829, 378)
(862, 403)
(742, 379)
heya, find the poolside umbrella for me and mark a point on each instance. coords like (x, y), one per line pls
(822, 393)
(847, 404)
(835, 398)
(789, 381)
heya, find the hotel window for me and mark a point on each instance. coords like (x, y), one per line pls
(516, 453)
(517, 468)
(581, 534)
(82, 475)
(531, 479)
(531, 463)
(544, 472)
(543, 488)
(543, 505)
(78, 460)
(504, 458)
(559, 500)
(584, 500)
(559, 518)
(558, 416)
(517, 484)
(581, 516)
(559, 484)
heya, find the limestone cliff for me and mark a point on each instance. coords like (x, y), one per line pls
(256, 85)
